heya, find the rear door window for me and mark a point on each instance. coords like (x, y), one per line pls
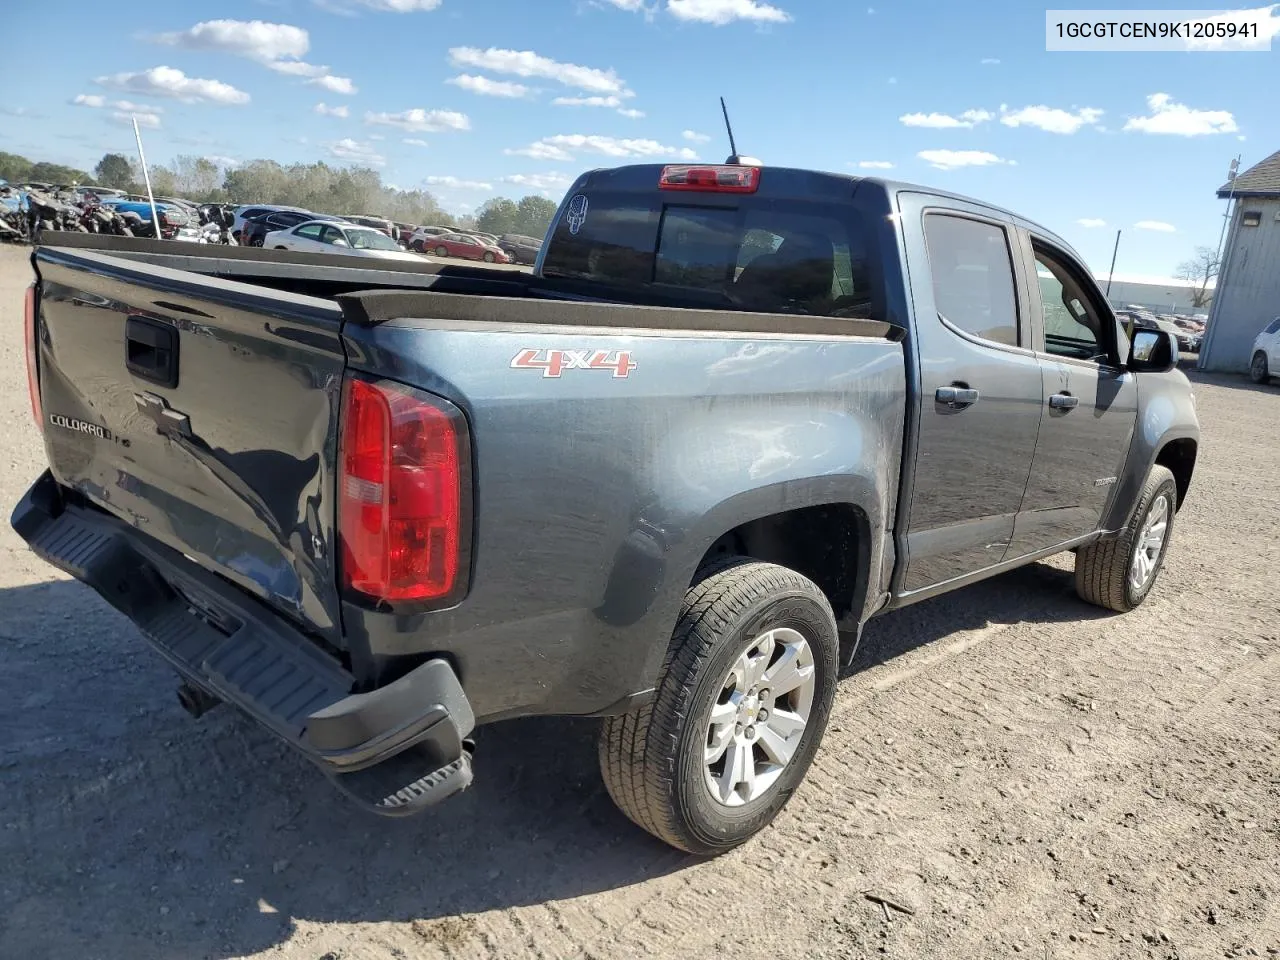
(972, 272)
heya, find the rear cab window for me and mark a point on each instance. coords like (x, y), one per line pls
(764, 252)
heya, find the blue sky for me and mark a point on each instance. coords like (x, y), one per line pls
(471, 99)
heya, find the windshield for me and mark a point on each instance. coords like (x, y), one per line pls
(366, 239)
(758, 255)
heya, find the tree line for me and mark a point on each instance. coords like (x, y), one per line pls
(311, 186)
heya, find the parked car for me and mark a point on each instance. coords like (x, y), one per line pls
(175, 222)
(466, 246)
(421, 237)
(337, 236)
(380, 224)
(255, 230)
(1185, 338)
(1265, 362)
(249, 211)
(520, 249)
(664, 480)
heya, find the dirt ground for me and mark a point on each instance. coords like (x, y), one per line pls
(1028, 775)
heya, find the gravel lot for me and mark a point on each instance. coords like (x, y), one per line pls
(1029, 775)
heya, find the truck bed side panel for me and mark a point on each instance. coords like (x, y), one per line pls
(597, 495)
(247, 489)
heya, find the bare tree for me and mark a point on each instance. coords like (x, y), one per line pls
(1199, 271)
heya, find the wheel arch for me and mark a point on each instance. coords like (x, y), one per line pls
(1178, 456)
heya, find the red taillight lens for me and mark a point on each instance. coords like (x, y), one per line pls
(400, 502)
(33, 373)
(718, 179)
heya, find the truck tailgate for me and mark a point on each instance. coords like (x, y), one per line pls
(203, 412)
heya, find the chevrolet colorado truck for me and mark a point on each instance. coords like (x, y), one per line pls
(664, 479)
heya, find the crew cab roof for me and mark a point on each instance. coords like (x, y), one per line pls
(796, 183)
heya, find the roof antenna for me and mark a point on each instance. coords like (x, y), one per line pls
(734, 157)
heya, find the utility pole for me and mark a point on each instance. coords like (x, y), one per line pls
(1115, 250)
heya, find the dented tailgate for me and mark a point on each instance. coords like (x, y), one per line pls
(203, 412)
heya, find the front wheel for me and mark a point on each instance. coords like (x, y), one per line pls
(741, 705)
(489, 258)
(416, 246)
(1119, 572)
(1258, 371)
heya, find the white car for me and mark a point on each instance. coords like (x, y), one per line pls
(326, 236)
(1265, 360)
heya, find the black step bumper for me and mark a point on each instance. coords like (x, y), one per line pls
(395, 750)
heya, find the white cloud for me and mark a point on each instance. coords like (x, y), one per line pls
(539, 181)
(1091, 222)
(1170, 117)
(418, 120)
(526, 63)
(564, 146)
(221, 161)
(400, 6)
(144, 119)
(631, 113)
(720, 12)
(254, 39)
(1050, 119)
(943, 121)
(1159, 226)
(989, 61)
(414, 142)
(953, 159)
(489, 88)
(171, 82)
(298, 68)
(334, 84)
(97, 102)
(377, 136)
(357, 152)
(694, 137)
(875, 164)
(631, 6)
(327, 111)
(587, 102)
(455, 184)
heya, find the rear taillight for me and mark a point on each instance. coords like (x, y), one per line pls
(726, 178)
(33, 372)
(404, 463)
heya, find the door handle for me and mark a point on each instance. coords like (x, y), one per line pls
(956, 396)
(1063, 401)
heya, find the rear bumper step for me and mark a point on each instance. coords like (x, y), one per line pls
(395, 750)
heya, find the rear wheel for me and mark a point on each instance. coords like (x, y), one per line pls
(1120, 571)
(442, 251)
(741, 705)
(1258, 371)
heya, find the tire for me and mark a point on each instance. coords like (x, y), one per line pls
(1258, 371)
(489, 258)
(416, 246)
(1103, 568)
(442, 251)
(282, 248)
(652, 759)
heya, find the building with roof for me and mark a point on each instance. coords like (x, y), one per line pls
(1247, 297)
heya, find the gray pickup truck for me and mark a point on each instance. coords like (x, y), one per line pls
(734, 412)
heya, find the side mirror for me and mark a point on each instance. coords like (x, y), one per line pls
(341, 243)
(1153, 351)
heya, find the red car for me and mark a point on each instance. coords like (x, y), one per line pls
(465, 246)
